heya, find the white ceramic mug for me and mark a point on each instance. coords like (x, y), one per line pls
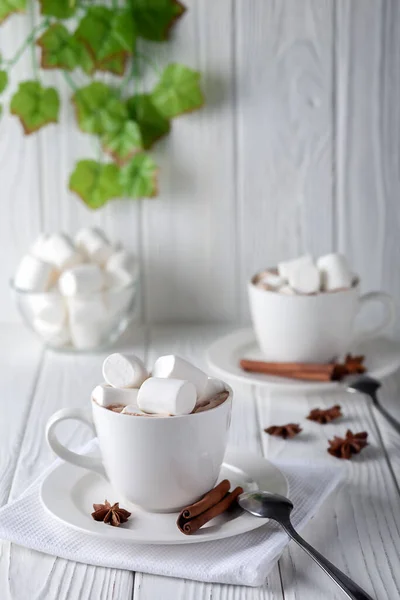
(312, 328)
(159, 463)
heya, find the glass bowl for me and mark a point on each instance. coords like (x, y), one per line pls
(82, 323)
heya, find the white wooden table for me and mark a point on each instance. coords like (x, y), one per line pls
(358, 528)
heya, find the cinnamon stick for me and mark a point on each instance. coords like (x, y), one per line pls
(285, 367)
(210, 499)
(305, 371)
(188, 527)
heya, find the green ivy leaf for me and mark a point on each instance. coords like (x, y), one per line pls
(35, 105)
(62, 9)
(84, 58)
(60, 50)
(95, 182)
(139, 177)
(154, 18)
(152, 124)
(108, 34)
(116, 64)
(8, 7)
(98, 109)
(124, 142)
(178, 91)
(3, 81)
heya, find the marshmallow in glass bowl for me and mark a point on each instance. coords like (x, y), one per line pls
(76, 294)
(175, 387)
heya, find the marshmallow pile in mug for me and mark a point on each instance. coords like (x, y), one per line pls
(78, 287)
(175, 386)
(303, 275)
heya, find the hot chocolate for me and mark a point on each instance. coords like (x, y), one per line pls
(175, 387)
(199, 407)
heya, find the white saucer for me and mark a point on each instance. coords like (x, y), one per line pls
(69, 492)
(382, 358)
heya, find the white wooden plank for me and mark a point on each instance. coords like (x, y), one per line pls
(284, 119)
(20, 358)
(189, 231)
(20, 213)
(367, 149)
(65, 380)
(358, 527)
(191, 343)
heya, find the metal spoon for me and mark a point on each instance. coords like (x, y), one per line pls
(278, 508)
(369, 386)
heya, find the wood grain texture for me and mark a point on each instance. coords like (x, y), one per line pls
(191, 343)
(60, 148)
(296, 149)
(368, 139)
(358, 527)
(20, 364)
(189, 230)
(20, 207)
(284, 132)
(64, 380)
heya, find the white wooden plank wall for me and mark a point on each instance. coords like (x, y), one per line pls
(297, 149)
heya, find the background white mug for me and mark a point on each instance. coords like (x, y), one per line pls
(159, 463)
(311, 328)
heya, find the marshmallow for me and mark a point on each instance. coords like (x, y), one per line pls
(272, 281)
(213, 387)
(172, 366)
(87, 309)
(58, 250)
(86, 336)
(305, 279)
(122, 260)
(122, 371)
(119, 300)
(118, 279)
(287, 290)
(335, 272)
(54, 335)
(167, 396)
(94, 245)
(290, 266)
(37, 246)
(49, 308)
(105, 395)
(133, 409)
(89, 321)
(82, 279)
(34, 275)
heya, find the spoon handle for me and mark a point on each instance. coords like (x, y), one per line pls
(394, 423)
(350, 588)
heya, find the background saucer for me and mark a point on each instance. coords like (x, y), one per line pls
(69, 492)
(382, 358)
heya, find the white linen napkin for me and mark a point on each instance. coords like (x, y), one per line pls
(242, 560)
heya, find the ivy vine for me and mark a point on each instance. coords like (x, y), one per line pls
(77, 34)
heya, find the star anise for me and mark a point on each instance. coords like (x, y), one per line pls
(325, 416)
(353, 443)
(354, 364)
(114, 515)
(284, 431)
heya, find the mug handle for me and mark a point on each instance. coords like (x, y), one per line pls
(92, 463)
(388, 319)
